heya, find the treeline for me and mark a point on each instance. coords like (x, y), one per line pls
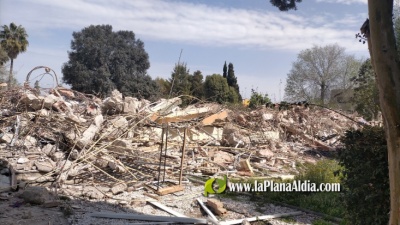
(101, 60)
(193, 88)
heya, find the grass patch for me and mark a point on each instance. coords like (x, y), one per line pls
(329, 203)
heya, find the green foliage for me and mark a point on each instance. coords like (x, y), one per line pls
(13, 40)
(285, 5)
(101, 60)
(163, 86)
(319, 70)
(322, 172)
(258, 99)
(3, 56)
(366, 95)
(365, 176)
(180, 83)
(232, 80)
(329, 203)
(216, 89)
(197, 89)
(225, 69)
(321, 222)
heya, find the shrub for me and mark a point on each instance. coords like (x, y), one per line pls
(365, 176)
(322, 172)
(258, 99)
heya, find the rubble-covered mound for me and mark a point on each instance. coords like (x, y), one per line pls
(111, 145)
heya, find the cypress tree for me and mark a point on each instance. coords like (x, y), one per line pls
(225, 70)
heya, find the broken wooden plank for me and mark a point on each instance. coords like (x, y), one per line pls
(221, 116)
(245, 164)
(169, 190)
(165, 208)
(209, 213)
(131, 216)
(251, 219)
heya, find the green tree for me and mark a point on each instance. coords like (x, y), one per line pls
(216, 89)
(3, 56)
(225, 70)
(14, 40)
(180, 80)
(285, 5)
(101, 60)
(164, 86)
(317, 71)
(197, 89)
(379, 32)
(366, 96)
(258, 99)
(232, 80)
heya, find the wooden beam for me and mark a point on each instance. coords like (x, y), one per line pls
(169, 190)
(165, 208)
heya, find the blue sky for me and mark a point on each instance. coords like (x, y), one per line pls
(259, 40)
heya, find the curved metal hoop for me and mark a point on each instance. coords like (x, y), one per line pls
(48, 70)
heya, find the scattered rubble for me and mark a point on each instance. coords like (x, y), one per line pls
(99, 149)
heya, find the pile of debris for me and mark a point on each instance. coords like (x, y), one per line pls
(66, 136)
(98, 148)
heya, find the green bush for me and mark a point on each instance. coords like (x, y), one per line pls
(322, 172)
(258, 99)
(365, 176)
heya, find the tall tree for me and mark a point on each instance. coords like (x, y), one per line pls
(164, 86)
(180, 80)
(3, 56)
(14, 41)
(225, 69)
(180, 83)
(197, 89)
(216, 89)
(317, 71)
(381, 39)
(366, 96)
(285, 5)
(232, 80)
(101, 60)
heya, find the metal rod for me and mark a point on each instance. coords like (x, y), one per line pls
(183, 155)
(166, 147)
(161, 150)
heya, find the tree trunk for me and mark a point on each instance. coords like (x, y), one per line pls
(11, 74)
(385, 61)
(323, 88)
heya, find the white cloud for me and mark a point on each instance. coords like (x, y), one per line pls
(347, 2)
(187, 22)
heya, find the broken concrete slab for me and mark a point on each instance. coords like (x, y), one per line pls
(119, 188)
(89, 133)
(216, 206)
(45, 166)
(189, 113)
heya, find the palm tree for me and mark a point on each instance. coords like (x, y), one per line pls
(13, 39)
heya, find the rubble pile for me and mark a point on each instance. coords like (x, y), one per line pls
(98, 148)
